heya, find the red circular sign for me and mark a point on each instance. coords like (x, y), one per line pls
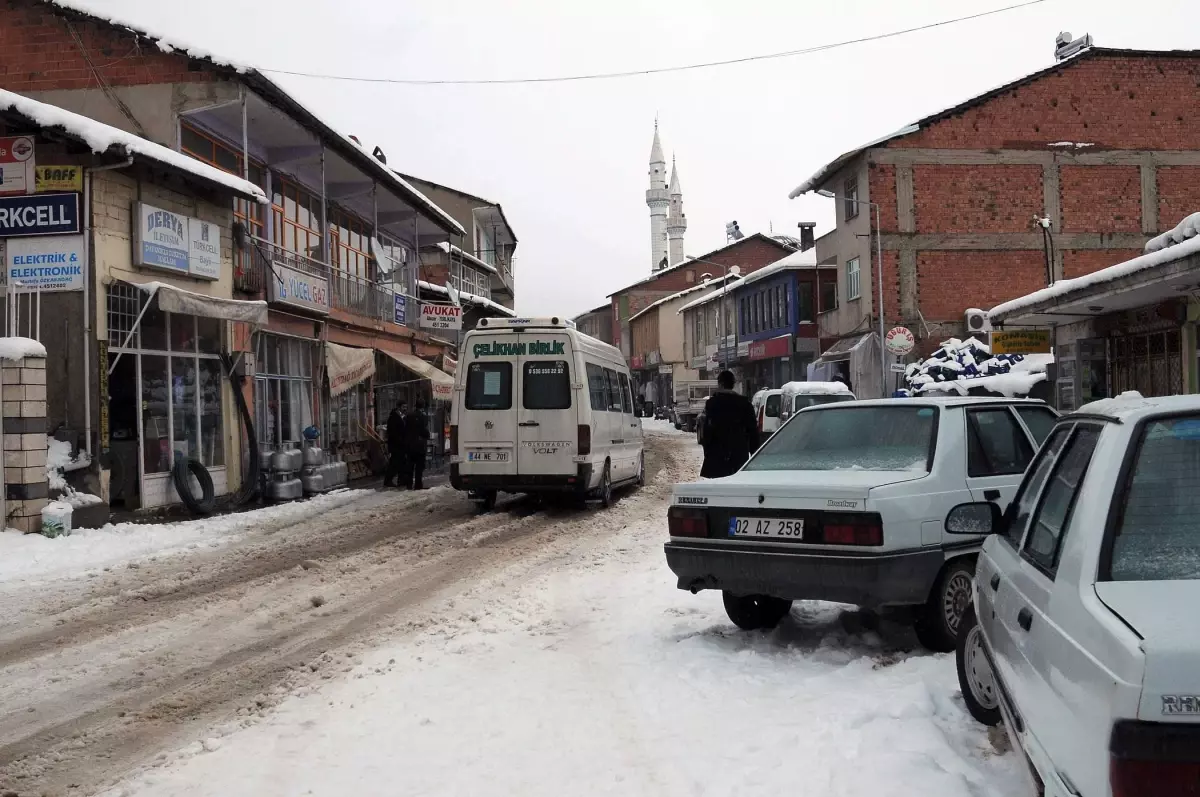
(900, 340)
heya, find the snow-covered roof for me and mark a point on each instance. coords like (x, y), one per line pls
(468, 297)
(102, 138)
(450, 248)
(793, 262)
(1064, 288)
(698, 262)
(175, 43)
(821, 175)
(712, 284)
(816, 389)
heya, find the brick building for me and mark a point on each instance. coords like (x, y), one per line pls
(1103, 144)
(749, 254)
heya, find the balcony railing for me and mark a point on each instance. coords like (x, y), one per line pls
(348, 292)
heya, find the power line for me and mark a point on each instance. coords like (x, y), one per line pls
(656, 71)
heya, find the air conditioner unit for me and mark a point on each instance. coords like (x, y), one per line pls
(977, 322)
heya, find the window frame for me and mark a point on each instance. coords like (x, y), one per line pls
(626, 393)
(832, 286)
(589, 371)
(1043, 454)
(974, 432)
(1051, 570)
(484, 364)
(525, 387)
(850, 201)
(853, 279)
(614, 384)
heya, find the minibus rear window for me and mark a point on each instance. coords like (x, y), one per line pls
(489, 386)
(546, 385)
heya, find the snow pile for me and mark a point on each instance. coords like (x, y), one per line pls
(102, 138)
(34, 557)
(960, 365)
(20, 348)
(58, 462)
(1188, 228)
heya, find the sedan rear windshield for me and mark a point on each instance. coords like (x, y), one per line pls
(852, 438)
(1158, 534)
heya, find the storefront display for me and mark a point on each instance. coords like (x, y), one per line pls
(283, 388)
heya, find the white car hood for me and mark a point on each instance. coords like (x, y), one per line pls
(802, 483)
(1164, 614)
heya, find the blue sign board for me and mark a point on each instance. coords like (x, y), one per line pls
(160, 239)
(39, 214)
(401, 313)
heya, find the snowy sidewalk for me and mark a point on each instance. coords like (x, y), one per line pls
(588, 673)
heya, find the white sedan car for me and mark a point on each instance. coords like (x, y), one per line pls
(847, 503)
(1085, 631)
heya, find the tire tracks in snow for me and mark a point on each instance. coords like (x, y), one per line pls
(139, 673)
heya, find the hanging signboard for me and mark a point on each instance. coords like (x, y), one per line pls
(440, 316)
(47, 262)
(1021, 341)
(204, 249)
(57, 178)
(401, 309)
(160, 239)
(298, 288)
(900, 341)
(39, 214)
(16, 165)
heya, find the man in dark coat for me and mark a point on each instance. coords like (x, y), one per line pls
(730, 430)
(397, 466)
(416, 433)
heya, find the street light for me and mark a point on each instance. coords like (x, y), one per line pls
(878, 265)
(736, 271)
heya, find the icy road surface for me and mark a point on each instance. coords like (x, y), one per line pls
(526, 652)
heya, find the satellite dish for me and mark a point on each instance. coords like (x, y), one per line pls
(735, 271)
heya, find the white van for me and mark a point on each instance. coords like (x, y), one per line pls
(766, 403)
(540, 407)
(795, 396)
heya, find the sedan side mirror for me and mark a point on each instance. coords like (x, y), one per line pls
(983, 517)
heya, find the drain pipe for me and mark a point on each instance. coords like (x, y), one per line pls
(87, 295)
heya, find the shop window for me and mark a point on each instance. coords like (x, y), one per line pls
(156, 413)
(283, 392)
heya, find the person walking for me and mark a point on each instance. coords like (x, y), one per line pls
(730, 432)
(397, 465)
(416, 433)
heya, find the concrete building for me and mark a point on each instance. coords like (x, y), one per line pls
(1099, 144)
(334, 253)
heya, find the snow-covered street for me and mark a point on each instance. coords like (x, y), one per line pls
(531, 651)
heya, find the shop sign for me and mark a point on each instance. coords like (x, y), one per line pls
(400, 308)
(58, 178)
(665, 369)
(17, 174)
(743, 349)
(204, 249)
(39, 214)
(900, 341)
(699, 362)
(449, 364)
(160, 239)
(47, 263)
(298, 288)
(635, 362)
(775, 347)
(1021, 341)
(440, 316)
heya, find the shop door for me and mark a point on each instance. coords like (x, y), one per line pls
(1150, 363)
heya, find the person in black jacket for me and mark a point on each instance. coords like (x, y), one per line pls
(397, 466)
(416, 433)
(730, 430)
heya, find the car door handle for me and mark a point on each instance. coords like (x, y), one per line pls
(528, 423)
(1025, 619)
(995, 582)
(991, 495)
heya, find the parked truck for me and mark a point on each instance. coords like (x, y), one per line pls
(689, 401)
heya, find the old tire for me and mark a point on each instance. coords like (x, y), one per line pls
(192, 467)
(605, 492)
(938, 622)
(975, 676)
(752, 612)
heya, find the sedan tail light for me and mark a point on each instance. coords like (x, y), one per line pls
(453, 439)
(684, 522)
(1154, 758)
(865, 528)
(583, 443)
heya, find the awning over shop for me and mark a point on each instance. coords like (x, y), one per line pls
(177, 300)
(842, 349)
(442, 383)
(861, 355)
(347, 367)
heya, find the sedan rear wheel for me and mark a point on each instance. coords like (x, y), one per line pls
(939, 621)
(752, 612)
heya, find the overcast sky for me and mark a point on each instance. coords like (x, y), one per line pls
(568, 161)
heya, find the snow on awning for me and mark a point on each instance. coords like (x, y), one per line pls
(842, 349)
(443, 383)
(177, 300)
(347, 366)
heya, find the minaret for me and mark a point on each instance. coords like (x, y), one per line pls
(676, 221)
(658, 201)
